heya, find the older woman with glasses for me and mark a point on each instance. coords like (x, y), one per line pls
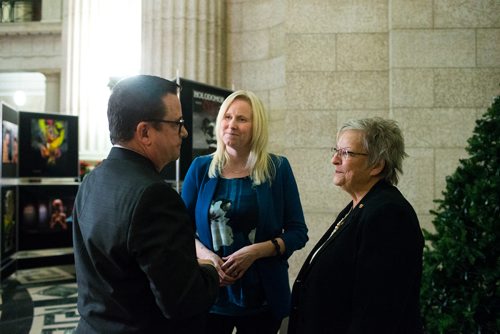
(363, 276)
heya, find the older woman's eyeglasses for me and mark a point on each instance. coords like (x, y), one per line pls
(344, 153)
(180, 123)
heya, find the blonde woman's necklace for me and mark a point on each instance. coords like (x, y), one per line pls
(237, 172)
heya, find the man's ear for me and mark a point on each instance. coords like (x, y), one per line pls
(377, 168)
(142, 132)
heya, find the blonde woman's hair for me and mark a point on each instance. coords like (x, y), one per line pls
(259, 161)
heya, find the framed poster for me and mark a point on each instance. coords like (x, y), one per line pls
(200, 105)
(45, 215)
(48, 145)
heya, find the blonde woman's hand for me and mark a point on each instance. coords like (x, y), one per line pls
(236, 264)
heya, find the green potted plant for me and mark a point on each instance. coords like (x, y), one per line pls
(461, 275)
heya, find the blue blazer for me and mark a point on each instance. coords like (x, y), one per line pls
(280, 215)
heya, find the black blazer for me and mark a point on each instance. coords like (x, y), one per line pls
(134, 251)
(366, 278)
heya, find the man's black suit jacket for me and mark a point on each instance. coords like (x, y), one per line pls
(366, 277)
(134, 252)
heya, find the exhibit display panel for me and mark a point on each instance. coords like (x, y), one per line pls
(8, 229)
(200, 104)
(39, 181)
(10, 141)
(8, 188)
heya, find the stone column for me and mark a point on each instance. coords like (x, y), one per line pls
(184, 37)
(88, 43)
(52, 92)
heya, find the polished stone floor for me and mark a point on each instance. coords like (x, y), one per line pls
(42, 301)
(39, 300)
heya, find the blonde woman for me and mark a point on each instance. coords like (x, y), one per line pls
(249, 219)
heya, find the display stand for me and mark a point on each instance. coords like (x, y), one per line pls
(8, 189)
(40, 179)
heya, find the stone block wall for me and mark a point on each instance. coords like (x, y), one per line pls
(432, 65)
(29, 50)
(444, 72)
(256, 56)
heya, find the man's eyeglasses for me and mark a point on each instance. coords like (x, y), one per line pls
(180, 123)
(344, 153)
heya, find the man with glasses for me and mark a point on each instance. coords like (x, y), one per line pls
(134, 248)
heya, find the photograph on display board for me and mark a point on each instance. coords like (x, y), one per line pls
(45, 216)
(48, 145)
(10, 147)
(9, 222)
(205, 107)
(200, 105)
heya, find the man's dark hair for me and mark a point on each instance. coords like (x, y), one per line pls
(136, 99)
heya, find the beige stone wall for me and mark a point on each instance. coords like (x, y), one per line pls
(256, 56)
(25, 49)
(444, 71)
(432, 65)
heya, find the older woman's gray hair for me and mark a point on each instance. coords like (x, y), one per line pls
(383, 140)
